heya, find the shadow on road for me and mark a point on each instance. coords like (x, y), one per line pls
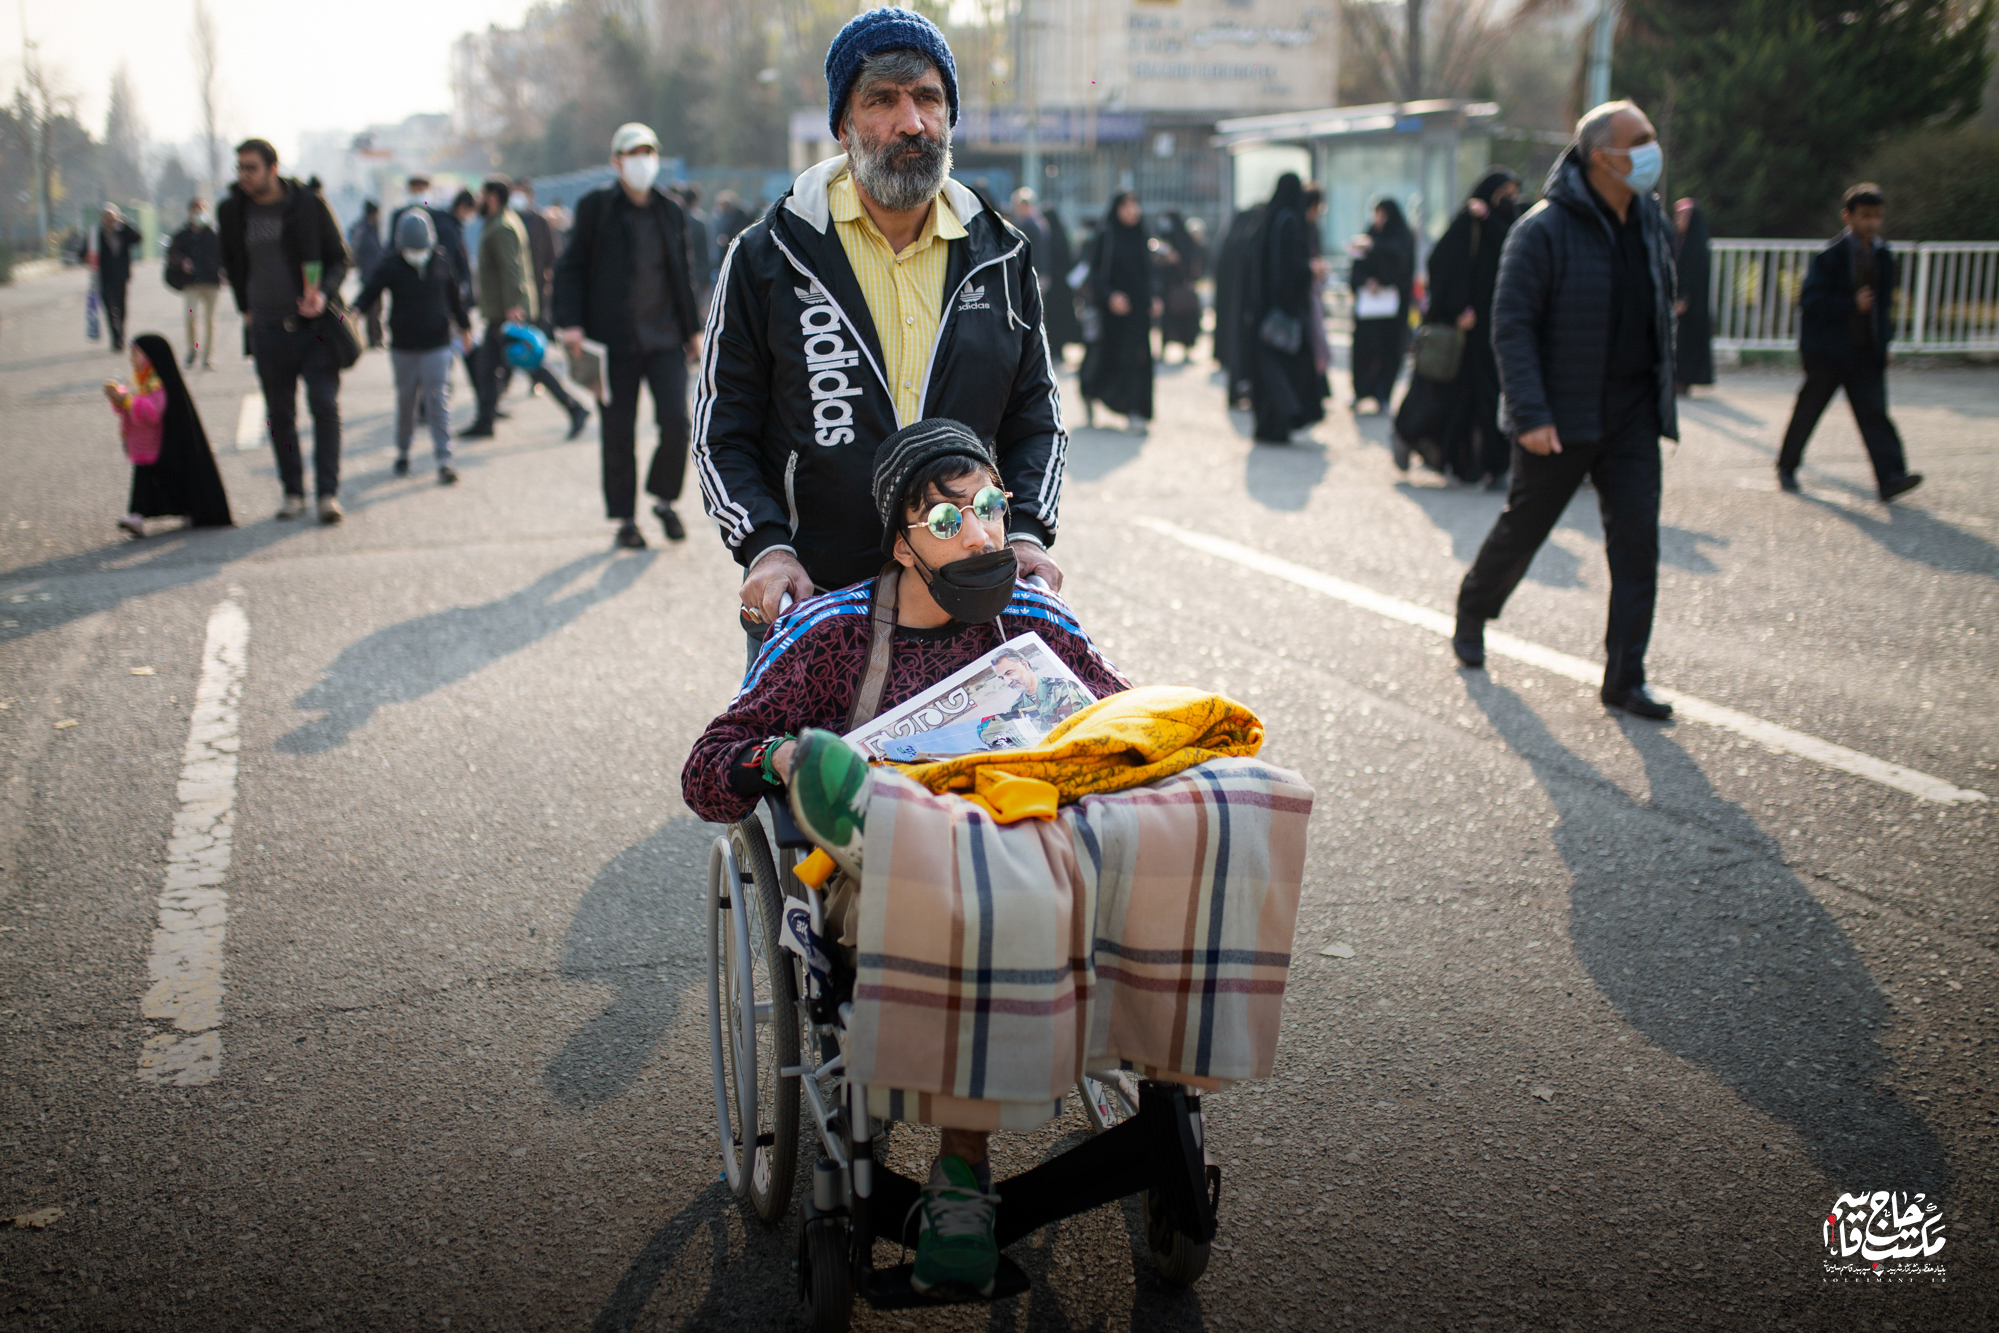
(1915, 535)
(157, 564)
(1095, 452)
(407, 661)
(1283, 476)
(639, 914)
(705, 1212)
(1694, 929)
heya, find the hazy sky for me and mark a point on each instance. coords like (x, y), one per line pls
(285, 67)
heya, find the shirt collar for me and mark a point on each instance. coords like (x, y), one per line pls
(942, 224)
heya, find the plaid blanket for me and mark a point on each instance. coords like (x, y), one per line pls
(1147, 929)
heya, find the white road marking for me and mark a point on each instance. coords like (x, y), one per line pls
(186, 965)
(1917, 784)
(250, 433)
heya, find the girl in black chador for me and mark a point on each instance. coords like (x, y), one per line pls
(173, 470)
(1117, 368)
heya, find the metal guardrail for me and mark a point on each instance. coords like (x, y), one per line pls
(1948, 302)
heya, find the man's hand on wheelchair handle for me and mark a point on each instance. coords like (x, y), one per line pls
(1034, 560)
(775, 575)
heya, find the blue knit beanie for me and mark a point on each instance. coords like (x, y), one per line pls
(872, 32)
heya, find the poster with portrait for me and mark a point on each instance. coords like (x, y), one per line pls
(1010, 699)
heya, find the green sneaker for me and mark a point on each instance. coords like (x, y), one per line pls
(955, 1249)
(828, 796)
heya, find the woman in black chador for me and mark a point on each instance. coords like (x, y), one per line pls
(1464, 269)
(1286, 389)
(1693, 343)
(1183, 261)
(1058, 298)
(183, 480)
(1117, 368)
(1384, 262)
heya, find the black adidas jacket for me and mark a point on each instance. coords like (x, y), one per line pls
(793, 397)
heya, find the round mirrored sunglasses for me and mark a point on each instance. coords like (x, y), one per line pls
(946, 519)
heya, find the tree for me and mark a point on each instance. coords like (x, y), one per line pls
(1426, 48)
(173, 188)
(1765, 107)
(206, 63)
(124, 142)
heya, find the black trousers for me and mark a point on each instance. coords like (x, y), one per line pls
(112, 298)
(665, 373)
(1866, 385)
(490, 373)
(284, 357)
(1624, 467)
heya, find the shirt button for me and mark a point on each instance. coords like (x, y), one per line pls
(909, 319)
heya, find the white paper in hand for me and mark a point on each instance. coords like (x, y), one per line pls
(1385, 303)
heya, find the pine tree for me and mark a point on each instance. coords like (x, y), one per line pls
(1766, 106)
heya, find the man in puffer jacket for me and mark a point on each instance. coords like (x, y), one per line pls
(1582, 327)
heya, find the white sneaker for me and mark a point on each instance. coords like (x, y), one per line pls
(330, 510)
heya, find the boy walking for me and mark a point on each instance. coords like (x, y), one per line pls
(427, 308)
(1843, 341)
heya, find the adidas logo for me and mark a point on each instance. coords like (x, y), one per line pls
(809, 295)
(973, 298)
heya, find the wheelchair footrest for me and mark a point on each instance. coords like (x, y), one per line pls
(889, 1289)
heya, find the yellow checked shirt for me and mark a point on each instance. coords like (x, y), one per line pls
(905, 292)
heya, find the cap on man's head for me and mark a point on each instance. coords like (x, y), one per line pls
(872, 32)
(632, 135)
(416, 231)
(903, 454)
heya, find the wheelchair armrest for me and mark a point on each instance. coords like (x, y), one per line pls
(784, 829)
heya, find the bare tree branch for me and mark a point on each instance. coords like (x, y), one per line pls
(203, 43)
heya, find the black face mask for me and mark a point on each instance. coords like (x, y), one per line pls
(975, 589)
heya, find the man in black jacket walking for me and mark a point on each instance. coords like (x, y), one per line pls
(116, 240)
(809, 367)
(624, 281)
(1843, 341)
(1582, 326)
(276, 235)
(194, 256)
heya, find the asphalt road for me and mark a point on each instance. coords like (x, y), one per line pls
(1629, 1005)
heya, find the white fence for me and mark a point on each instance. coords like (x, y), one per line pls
(1948, 302)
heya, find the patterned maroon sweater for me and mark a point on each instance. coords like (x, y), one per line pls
(813, 662)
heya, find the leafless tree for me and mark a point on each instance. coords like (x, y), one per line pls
(1427, 48)
(206, 63)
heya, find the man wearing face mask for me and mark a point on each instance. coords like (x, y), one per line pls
(195, 254)
(624, 280)
(426, 313)
(877, 292)
(1582, 327)
(507, 295)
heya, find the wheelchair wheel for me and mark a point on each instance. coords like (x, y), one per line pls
(825, 1278)
(1178, 1257)
(753, 1022)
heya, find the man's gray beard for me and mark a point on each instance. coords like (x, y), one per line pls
(910, 184)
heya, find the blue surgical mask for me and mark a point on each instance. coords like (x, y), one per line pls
(1648, 161)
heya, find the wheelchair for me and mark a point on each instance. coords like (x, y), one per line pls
(778, 1011)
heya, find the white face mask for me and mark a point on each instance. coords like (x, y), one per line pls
(416, 258)
(639, 170)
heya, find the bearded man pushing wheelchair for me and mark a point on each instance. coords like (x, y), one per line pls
(877, 387)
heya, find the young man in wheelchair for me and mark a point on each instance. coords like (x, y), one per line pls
(954, 598)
